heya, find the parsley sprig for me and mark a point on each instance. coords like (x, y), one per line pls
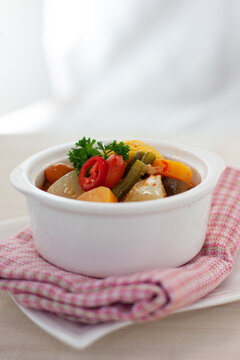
(86, 148)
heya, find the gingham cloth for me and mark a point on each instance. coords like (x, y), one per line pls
(142, 296)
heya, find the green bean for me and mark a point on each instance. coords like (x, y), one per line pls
(138, 156)
(134, 174)
(148, 158)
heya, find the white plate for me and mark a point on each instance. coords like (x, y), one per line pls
(80, 336)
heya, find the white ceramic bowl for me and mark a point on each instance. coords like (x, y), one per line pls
(102, 239)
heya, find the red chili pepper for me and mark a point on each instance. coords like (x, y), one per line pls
(165, 165)
(97, 168)
(116, 169)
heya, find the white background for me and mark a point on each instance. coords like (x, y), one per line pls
(129, 67)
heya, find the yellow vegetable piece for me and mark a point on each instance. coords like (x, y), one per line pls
(174, 169)
(137, 145)
(99, 194)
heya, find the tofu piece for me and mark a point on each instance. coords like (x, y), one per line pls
(147, 189)
(67, 186)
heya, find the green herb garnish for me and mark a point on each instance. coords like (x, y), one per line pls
(119, 149)
(87, 148)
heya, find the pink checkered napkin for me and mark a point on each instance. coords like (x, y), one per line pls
(147, 295)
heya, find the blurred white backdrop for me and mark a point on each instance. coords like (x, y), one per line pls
(130, 67)
(23, 69)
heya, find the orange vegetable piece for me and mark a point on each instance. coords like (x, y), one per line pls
(99, 194)
(174, 169)
(56, 171)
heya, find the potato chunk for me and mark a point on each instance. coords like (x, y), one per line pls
(67, 186)
(147, 189)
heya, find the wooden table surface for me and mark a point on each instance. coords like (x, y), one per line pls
(212, 333)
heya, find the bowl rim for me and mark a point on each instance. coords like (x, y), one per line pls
(213, 163)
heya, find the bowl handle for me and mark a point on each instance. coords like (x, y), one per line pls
(19, 179)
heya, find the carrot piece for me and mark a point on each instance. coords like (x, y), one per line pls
(174, 169)
(56, 171)
(99, 194)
